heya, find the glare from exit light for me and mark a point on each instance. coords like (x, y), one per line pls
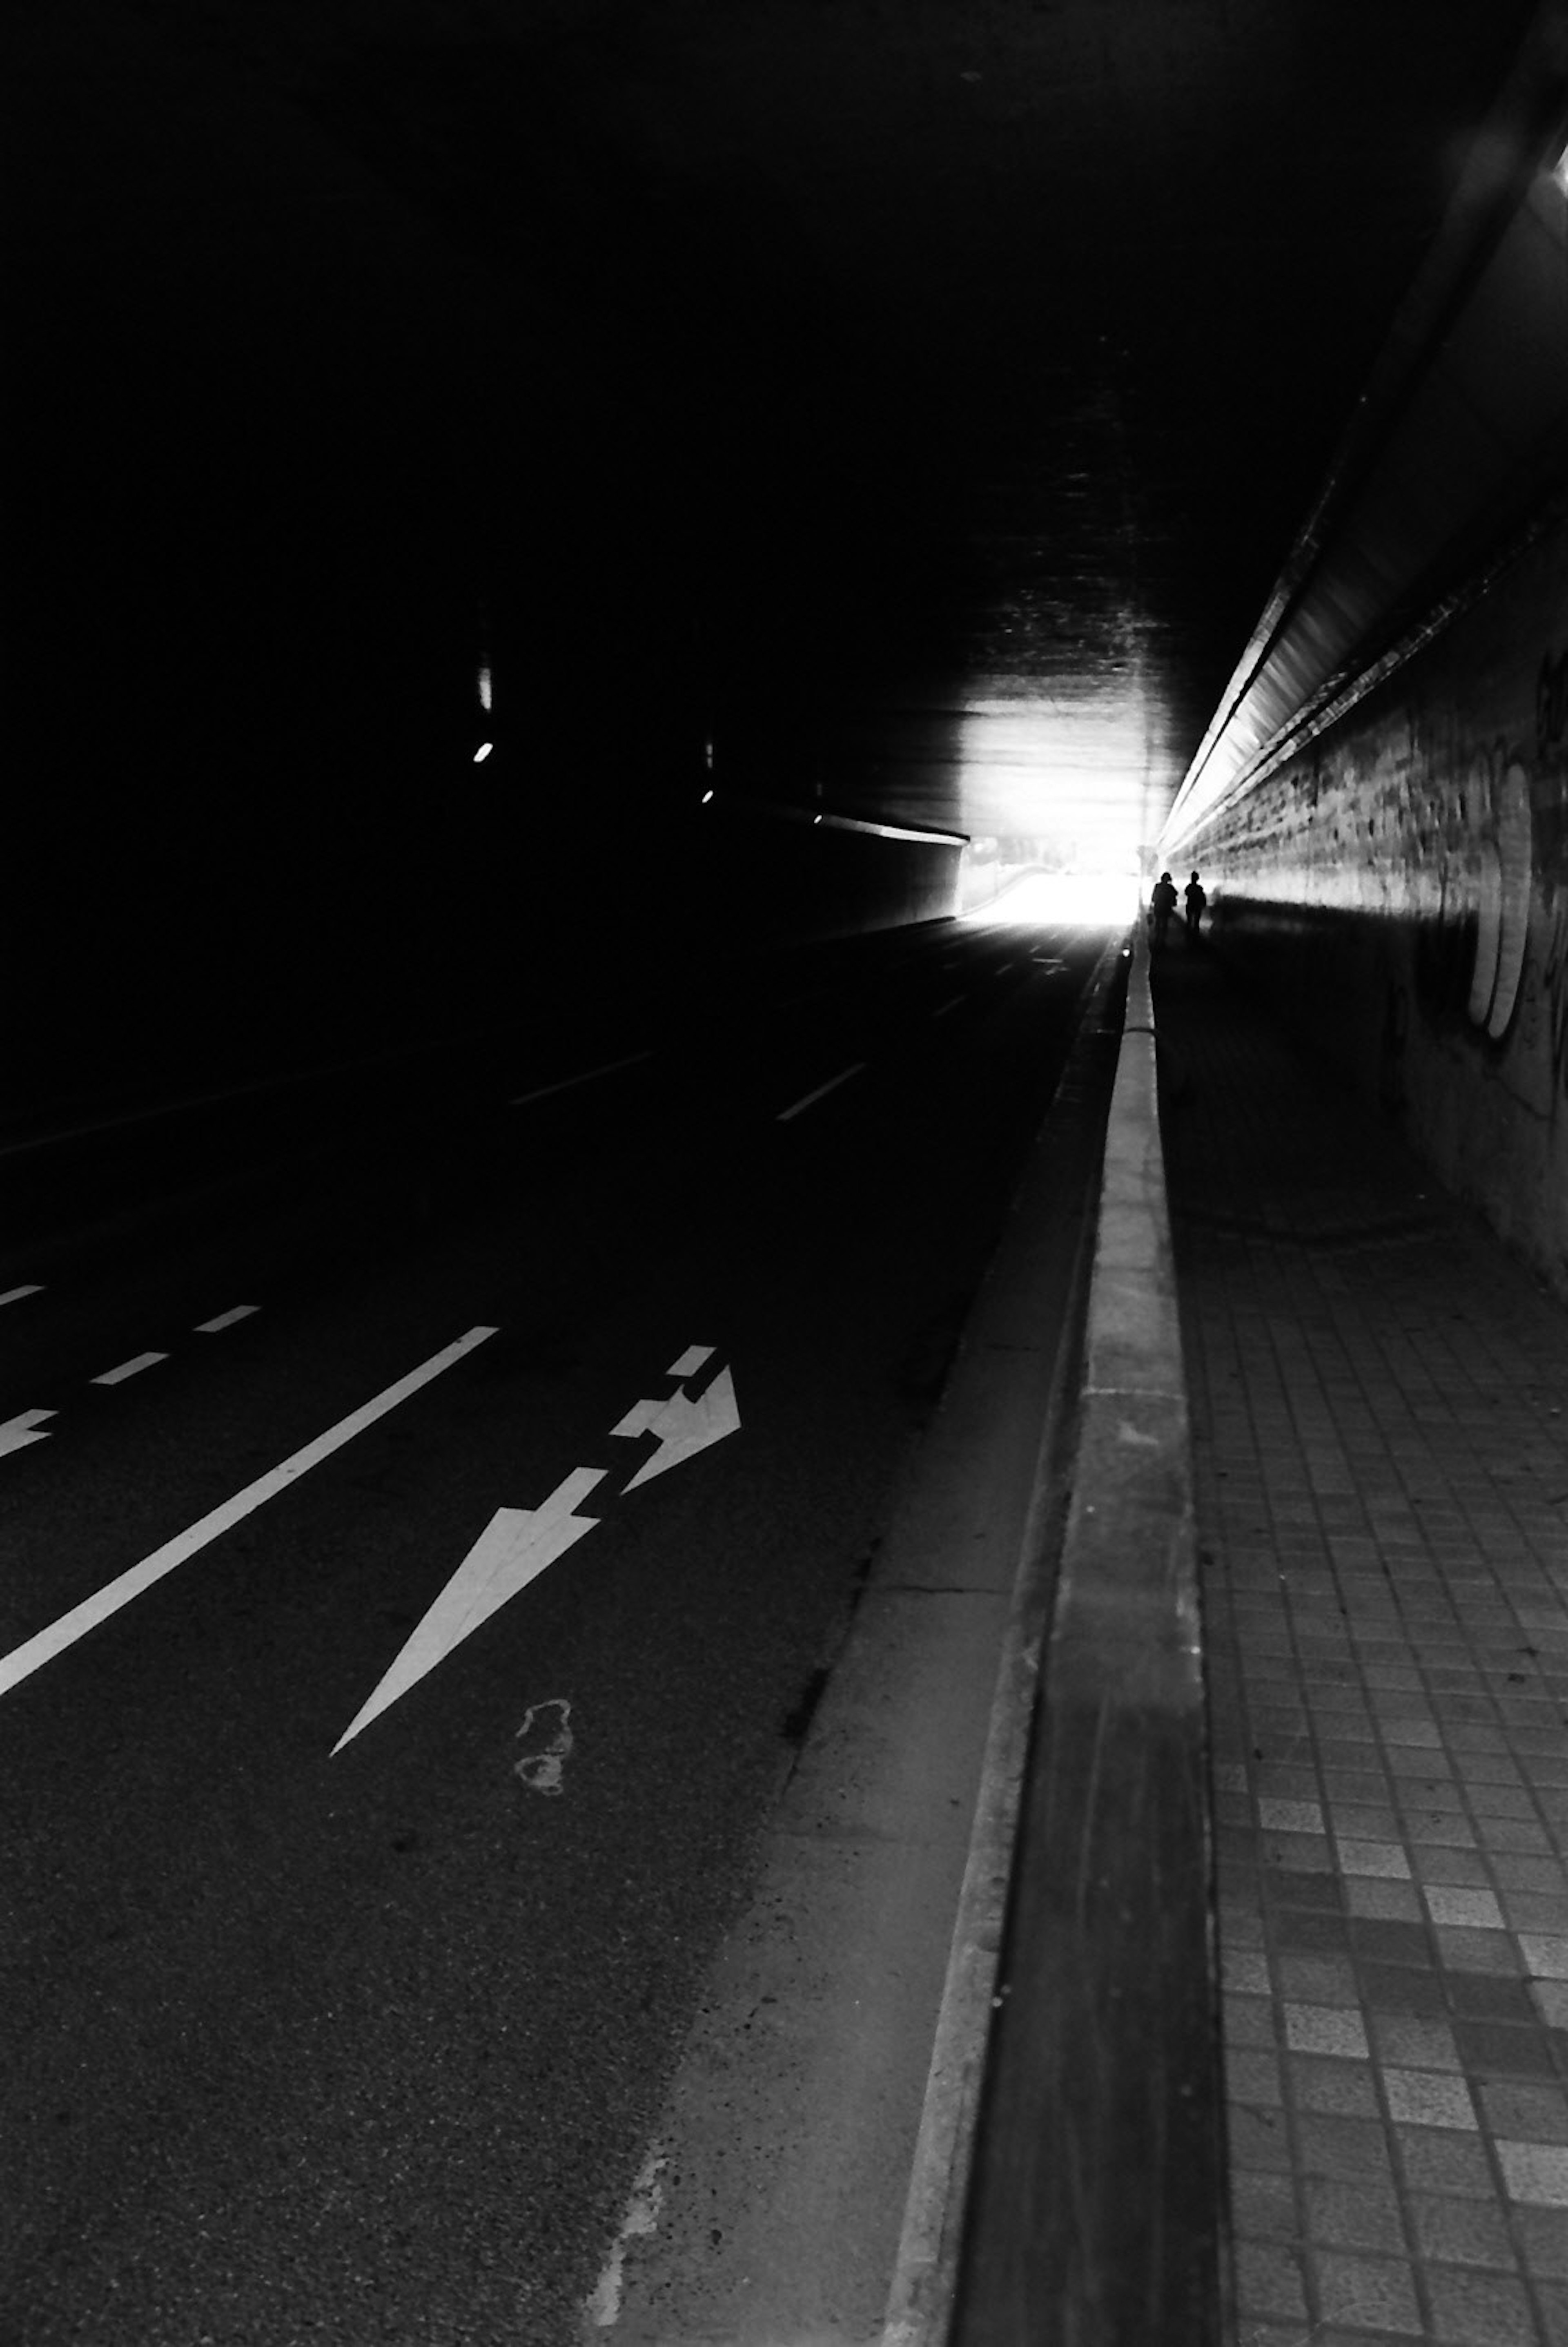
(1560, 170)
(1083, 899)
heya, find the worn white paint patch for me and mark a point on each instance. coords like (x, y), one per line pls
(543, 1770)
(643, 2208)
(1135, 1437)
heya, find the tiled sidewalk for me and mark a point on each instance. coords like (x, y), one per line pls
(1378, 1399)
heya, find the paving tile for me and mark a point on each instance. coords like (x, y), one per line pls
(1524, 2110)
(1324, 2029)
(1318, 1980)
(1373, 2293)
(1428, 2098)
(1476, 2309)
(1258, 2139)
(1444, 2160)
(1387, 1858)
(1268, 2280)
(1390, 1939)
(1263, 2206)
(1448, 1863)
(1316, 2083)
(1496, 2049)
(1535, 2172)
(1415, 2044)
(1543, 2235)
(1253, 2076)
(1248, 2020)
(1464, 1949)
(1491, 1996)
(1344, 2147)
(1360, 2216)
(1461, 2233)
(1325, 1892)
(1450, 1902)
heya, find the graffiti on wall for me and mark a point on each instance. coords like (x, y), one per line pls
(1471, 953)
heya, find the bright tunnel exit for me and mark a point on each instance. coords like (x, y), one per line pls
(1063, 783)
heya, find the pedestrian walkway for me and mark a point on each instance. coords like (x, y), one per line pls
(1379, 1413)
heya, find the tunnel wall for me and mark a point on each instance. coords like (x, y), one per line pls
(1400, 890)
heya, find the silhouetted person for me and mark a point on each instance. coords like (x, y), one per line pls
(1162, 904)
(1197, 899)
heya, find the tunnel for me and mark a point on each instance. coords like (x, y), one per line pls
(618, 611)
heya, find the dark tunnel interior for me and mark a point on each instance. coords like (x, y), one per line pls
(896, 414)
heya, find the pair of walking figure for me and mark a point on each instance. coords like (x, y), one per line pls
(1163, 904)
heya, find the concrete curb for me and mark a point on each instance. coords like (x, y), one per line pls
(1093, 2174)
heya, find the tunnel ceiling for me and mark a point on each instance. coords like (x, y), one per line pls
(880, 389)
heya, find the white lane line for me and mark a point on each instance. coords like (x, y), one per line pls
(947, 1007)
(226, 1319)
(128, 1369)
(23, 1660)
(14, 1294)
(587, 1076)
(821, 1093)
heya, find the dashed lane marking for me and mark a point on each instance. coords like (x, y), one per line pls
(567, 1083)
(820, 1093)
(946, 1007)
(128, 1369)
(15, 1433)
(226, 1319)
(14, 1294)
(23, 1660)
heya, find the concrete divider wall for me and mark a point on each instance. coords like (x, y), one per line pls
(1399, 891)
(1096, 2210)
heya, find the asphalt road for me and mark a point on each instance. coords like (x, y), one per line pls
(359, 2041)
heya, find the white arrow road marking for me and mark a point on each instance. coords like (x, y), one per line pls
(15, 1432)
(512, 1550)
(683, 1427)
(23, 1660)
